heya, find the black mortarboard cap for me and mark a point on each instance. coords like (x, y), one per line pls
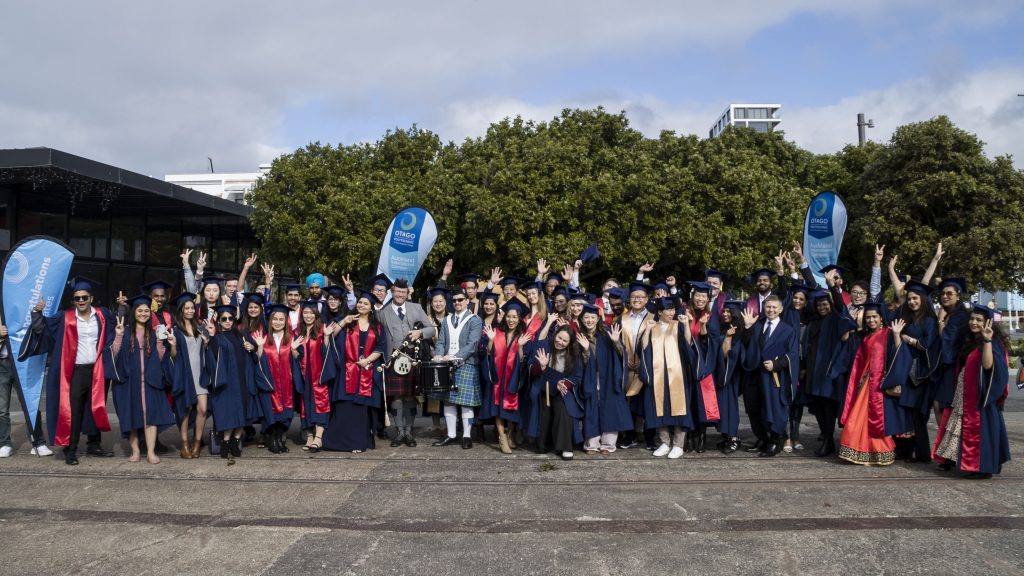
(147, 288)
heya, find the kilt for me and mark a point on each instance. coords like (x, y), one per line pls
(396, 385)
(467, 378)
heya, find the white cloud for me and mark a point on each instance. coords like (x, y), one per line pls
(159, 87)
(984, 103)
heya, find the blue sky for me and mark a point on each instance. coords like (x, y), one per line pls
(158, 88)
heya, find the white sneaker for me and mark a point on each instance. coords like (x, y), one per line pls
(42, 450)
(566, 455)
(661, 451)
(6, 451)
(677, 452)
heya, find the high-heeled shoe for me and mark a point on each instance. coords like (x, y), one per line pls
(503, 444)
(197, 446)
(317, 444)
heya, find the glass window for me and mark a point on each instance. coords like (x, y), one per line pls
(741, 113)
(5, 223)
(163, 241)
(40, 213)
(126, 236)
(125, 279)
(88, 236)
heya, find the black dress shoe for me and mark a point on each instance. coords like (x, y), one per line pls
(410, 441)
(730, 446)
(225, 451)
(446, 442)
(236, 447)
(757, 446)
(651, 446)
(700, 441)
(978, 476)
(769, 451)
(382, 433)
(70, 458)
(467, 443)
(99, 451)
(397, 441)
(946, 465)
(627, 445)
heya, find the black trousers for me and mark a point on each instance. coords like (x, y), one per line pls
(753, 402)
(555, 426)
(79, 395)
(922, 447)
(826, 411)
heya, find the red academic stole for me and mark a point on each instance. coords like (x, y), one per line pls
(280, 360)
(313, 367)
(707, 383)
(970, 435)
(358, 380)
(98, 402)
(533, 325)
(504, 359)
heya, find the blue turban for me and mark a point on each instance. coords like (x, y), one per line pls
(315, 278)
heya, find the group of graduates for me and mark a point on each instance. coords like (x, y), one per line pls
(650, 364)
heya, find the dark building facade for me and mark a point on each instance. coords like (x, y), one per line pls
(126, 229)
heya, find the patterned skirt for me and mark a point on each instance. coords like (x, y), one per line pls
(467, 378)
(397, 385)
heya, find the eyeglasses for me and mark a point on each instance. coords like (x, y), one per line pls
(226, 319)
(858, 293)
(81, 298)
(949, 293)
(458, 299)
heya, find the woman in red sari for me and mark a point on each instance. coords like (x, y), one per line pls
(972, 433)
(863, 440)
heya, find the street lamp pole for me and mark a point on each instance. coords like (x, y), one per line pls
(862, 136)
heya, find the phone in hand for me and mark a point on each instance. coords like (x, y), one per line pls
(161, 332)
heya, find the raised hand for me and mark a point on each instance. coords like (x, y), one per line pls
(567, 271)
(447, 268)
(119, 327)
(542, 267)
(892, 263)
(297, 342)
(200, 262)
(259, 338)
(830, 277)
(650, 323)
(490, 332)
(897, 326)
(646, 267)
(938, 252)
(250, 260)
(987, 331)
(495, 275)
(879, 254)
(185, 256)
(704, 318)
(346, 280)
(40, 304)
(731, 331)
(799, 251)
(333, 328)
(684, 318)
(500, 315)
(671, 281)
(543, 358)
(577, 264)
(749, 318)
(210, 328)
(171, 340)
(779, 259)
(561, 321)
(524, 339)
(122, 300)
(615, 332)
(583, 341)
(790, 263)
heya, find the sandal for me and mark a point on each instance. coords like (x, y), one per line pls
(309, 442)
(316, 445)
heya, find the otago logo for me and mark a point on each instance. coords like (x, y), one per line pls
(820, 207)
(408, 221)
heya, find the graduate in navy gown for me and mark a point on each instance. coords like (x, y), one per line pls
(508, 349)
(729, 375)
(796, 313)
(187, 385)
(76, 394)
(921, 336)
(283, 354)
(972, 433)
(704, 330)
(826, 343)
(235, 375)
(143, 369)
(358, 350)
(318, 369)
(603, 390)
(772, 354)
(667, 360)
(952, 319)
(555, 409)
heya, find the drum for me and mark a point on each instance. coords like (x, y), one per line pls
(436, 377)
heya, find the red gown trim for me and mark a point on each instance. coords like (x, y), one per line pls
(98, 398)
(280, 361)
(312, 367)
(709, 394)
(358, 380)
(504, 359)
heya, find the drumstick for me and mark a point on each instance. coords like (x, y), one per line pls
(384, 385)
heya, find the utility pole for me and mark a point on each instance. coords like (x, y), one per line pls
(862, 136)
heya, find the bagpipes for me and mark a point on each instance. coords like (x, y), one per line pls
(406, 357)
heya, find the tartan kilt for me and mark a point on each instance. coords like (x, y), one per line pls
(397, 385)
(467, 377)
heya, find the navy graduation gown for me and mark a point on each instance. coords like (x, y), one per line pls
(688, 358)
(951, 338)
(603, 389)
(917, 394)
(778, 386)
(898, 418)
(183, 387)
(130, 393)
(728, 383)
(234, 378)
(549, 378)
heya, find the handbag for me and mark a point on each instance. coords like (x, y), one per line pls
(894, 392)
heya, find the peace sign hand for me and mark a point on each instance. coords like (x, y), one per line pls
(185, 256)
(119, 328)
(347, 281)
(987, 331)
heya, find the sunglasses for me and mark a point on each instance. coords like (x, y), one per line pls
(458, 299)
(80, 298)
(226, 319)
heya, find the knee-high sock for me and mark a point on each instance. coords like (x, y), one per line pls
(467, 417)
(450, 418)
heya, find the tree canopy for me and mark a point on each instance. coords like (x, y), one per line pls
(527, 190)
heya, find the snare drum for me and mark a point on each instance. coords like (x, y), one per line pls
(436, 377)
